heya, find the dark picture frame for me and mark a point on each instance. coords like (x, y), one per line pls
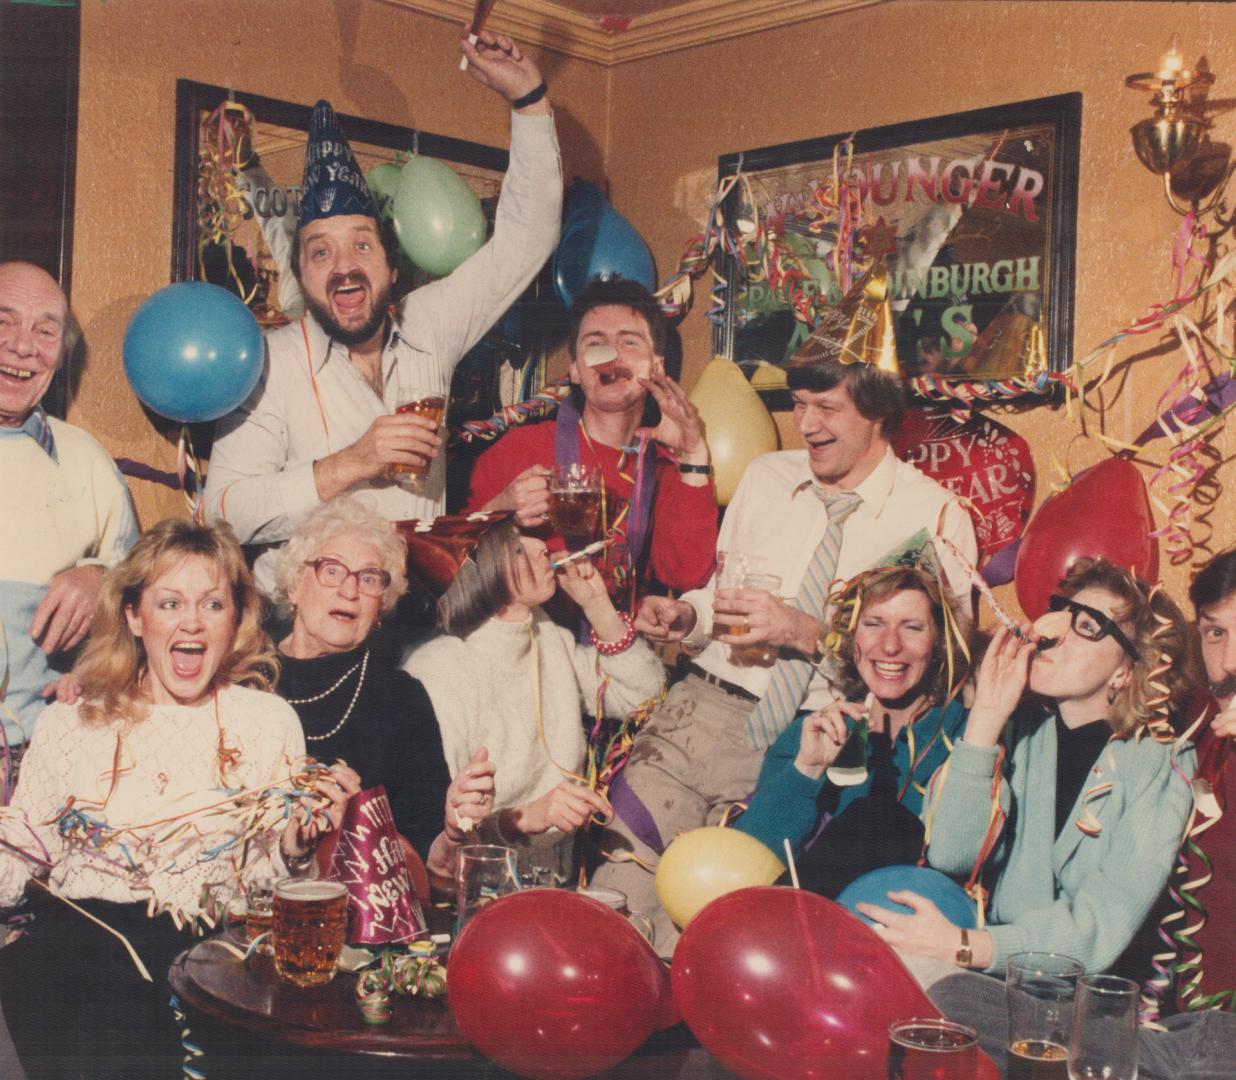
(979, 211)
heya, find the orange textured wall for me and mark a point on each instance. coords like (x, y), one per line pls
(368, 58)
(653, 129)
(674, 115)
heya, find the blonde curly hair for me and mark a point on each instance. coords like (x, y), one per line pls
(112, 669)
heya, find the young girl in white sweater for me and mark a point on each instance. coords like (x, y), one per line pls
(509, 687)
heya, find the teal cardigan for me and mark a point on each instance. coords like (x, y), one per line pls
(784, 804)
(1083, 893)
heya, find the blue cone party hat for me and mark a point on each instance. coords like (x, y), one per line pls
(333, 183)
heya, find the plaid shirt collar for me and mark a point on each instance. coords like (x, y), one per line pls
(38, 427)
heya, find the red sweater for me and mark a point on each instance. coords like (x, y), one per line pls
(1217, 938)
(684, 519)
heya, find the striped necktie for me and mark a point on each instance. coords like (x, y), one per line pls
(787, 682)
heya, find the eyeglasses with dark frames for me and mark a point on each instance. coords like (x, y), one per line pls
(1092, 624)
(370, 580)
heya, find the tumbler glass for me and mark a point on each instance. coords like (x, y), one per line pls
(1039, 990)
(1104, 1041)
(483, 872)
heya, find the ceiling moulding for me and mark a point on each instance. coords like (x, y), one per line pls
(695, 22)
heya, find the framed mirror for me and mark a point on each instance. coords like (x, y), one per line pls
(974, 216)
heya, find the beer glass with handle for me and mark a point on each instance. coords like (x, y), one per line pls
(309, 926)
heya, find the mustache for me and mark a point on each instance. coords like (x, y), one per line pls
(612, 374)
(352, 277)
(1224, 689)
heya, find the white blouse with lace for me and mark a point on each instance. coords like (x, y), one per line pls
(133, 778)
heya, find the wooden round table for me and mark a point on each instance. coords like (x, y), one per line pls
(247, 996)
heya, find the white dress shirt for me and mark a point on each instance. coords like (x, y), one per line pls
(312, 401)
(774, 514)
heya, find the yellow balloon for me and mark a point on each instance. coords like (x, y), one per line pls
(737, 425)
(703, 864)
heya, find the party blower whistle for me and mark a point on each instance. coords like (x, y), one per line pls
(583, 553)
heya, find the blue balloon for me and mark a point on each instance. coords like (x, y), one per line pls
(597, 242)
(943, 891)
(193, 352)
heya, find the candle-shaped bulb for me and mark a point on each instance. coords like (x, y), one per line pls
(1171, 63)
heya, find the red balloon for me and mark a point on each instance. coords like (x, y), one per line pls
(1104, 512)
(979, 459)
(781, 984)
(553, 985)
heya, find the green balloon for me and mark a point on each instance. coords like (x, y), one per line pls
(383, 181)
(438, 219)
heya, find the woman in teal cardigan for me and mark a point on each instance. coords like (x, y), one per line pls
(900, 651)
(1082, 797)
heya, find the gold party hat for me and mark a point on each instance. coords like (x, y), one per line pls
(1011, 344)
(859, 330)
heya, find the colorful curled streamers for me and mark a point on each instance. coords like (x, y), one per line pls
(138, 853)
(995, 825)
(414, 973)
(188, 465)
(192, 1051)
(221, 218)
(1182, 957)
(542, 404)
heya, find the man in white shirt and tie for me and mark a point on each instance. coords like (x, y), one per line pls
(814, 515)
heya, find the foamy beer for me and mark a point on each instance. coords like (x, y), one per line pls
(434, 408)
(310, 920)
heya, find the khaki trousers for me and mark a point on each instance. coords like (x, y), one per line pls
(689, 763)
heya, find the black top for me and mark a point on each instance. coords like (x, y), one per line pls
(391, 736)
(1077, 750)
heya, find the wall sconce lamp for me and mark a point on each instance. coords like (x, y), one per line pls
(1177, 130)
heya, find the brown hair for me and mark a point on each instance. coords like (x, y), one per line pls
(113, 666)
(876, 394)
(482, 586)
(879, 585)
(1159, 632)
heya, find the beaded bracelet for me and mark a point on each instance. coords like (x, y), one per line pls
(613, 648)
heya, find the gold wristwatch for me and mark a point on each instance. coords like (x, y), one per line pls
(964, 955)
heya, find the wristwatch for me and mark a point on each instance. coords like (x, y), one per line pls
(823, 647)
(964, 955)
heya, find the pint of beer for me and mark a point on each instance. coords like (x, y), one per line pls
(432, 407)
(575, 504)
(310, 921)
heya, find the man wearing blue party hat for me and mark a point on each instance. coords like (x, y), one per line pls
(323, 419)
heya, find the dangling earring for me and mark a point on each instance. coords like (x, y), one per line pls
(1112, 694)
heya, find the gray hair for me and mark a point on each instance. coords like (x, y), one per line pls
(343, 515)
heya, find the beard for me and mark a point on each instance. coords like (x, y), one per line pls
(1224, 690)
(360, 334)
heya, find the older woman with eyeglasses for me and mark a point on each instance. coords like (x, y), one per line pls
(342, 570)
(1091, 787)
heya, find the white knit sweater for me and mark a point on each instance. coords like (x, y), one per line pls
(168, 764)
(483, 693)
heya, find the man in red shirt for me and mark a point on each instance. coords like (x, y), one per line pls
(628, 418)
(1207, 975)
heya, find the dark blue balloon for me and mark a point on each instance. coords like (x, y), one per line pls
(597, 242)
(943, 891)
(193, 352)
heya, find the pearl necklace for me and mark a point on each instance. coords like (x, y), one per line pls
(363, 665)
(327, 693)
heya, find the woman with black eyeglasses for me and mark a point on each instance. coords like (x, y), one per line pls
(343, 569)
(1077, 792)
